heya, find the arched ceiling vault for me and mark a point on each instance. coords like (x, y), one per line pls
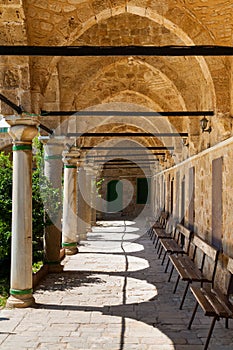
(175, 24)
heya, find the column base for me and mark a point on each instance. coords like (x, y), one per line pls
(88, 229)
(20, 301)
(71, 250)
(82, 237)
(55, 268)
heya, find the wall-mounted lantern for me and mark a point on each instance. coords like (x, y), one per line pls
(204, 124)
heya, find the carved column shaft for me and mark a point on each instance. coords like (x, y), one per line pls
(53, 171)
(69, 225)
(22, 132)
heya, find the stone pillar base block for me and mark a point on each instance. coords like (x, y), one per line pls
(20, 301)
(56, 268)
(71, 250)
(82, 237)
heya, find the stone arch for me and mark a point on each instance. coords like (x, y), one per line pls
(153, 16)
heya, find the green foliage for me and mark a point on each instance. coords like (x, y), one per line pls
(99, 186)
(46, 203)
(36, 266)
(5, 204)
(4, 291)
(44, 199)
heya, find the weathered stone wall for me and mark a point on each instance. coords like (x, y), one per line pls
(203, 193)
(131, 209)
(14, 71)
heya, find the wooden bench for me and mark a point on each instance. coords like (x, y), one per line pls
(214, 302)
(187, 266)
(180, 243)
(159, 223)
(163, 231)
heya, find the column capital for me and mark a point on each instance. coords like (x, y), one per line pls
(70, 159)
(22, 130)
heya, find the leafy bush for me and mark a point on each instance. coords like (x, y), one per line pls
(5, 205)
(43, 195)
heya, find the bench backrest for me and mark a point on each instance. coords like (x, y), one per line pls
(184, 231)
(230, 265)
(206, 248)
(163, 219)
(209, 257)
(183, 236)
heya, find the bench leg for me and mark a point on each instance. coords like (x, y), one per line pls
(154, 239)
(210, 332)
(159, 247)
(227, 323)
(165, 254)
(150, 232)
(176, 285)
(184, 295)
(160, 250)
(168, 261)
(193, 315)
(170, 276)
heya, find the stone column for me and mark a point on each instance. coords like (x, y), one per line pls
(22, 131)
(93, 196)
(88, 196)
(69, 225)
(81, 219)
(53, 171)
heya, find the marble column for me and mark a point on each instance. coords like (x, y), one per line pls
(94, 172)
(81, 212)
(53, 165)
(88, 196)
(69, 225)
(22, 130)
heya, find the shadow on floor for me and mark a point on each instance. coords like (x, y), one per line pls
(161, 311)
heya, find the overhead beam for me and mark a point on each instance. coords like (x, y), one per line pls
(20, 110)
(126, 167)
(144, 154)
(197, 50)
(142, 148)
(126, 113)
(127, 134)
(124, 161)
(11, 104)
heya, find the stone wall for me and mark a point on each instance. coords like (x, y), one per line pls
(204, 194)
(131, 209)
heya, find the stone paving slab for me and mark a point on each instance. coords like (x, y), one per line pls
(113, 295)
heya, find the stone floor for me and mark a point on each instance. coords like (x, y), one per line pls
(112, 295)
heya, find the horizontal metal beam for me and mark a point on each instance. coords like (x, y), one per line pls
(127, 113)
(198, 50)
(124, 161)
(19, 110)
(127, 134)
(127, 167)
(119, 155)
(45, 128)
(142, 148)
(11, 104)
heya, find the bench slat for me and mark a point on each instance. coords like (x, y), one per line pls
(169, 245)
(186, 232)
(205, 247)
(230, 265)
(203, 302)
(187, 269)
(218, 306)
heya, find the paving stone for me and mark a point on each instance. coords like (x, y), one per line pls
(96, 304)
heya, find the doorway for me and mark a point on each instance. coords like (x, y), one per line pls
(115, 196)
